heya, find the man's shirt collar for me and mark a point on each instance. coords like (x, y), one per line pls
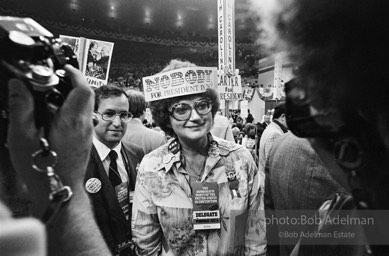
(283, 128)
(103, 150)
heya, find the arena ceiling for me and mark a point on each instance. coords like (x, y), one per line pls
(194, 17)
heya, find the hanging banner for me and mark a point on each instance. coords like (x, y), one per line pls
(178, 82)
(230, 36)
(221, 36)
(248, 94)
(281, 91)
(229, 80)
(266, 92)
(226, 35)
(278, 77)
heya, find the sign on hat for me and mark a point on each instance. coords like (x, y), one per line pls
(179, 82)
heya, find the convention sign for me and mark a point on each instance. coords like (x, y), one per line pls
(248, 94)
(94, 58)
(97, 61)
(226, 35)
(74, 43)
(230, 35)
(179, 82)
(266, 93)
(221, 32)
(229, 86)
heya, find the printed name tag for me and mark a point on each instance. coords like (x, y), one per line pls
(205, 198)
(123, 198)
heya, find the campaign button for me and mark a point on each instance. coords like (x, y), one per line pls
(214, 152)
(93, 185)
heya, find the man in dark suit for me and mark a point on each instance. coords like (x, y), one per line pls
(111, 172)
(250, 117)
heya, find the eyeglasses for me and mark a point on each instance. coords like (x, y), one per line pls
(183, 111)
(111, 115)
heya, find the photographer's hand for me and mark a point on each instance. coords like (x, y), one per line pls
(70, 135)
(71, 138)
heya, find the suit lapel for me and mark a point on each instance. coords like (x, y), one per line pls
(107, 192)
(131, 173)
(133, 156)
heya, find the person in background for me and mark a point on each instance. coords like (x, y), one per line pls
(222, 128)
(111, 172)
(260, 129)
(137, 134)
(338, 99)
(239, 122)
(274, 130)
(92, 55)
(230, 119)
(146, 123)
(296, 179)
(74, 230)
(249, 140)
(167, 211)
(266, 120)
(250, 117)
(156, 127)
(102, 60)
(235, 133)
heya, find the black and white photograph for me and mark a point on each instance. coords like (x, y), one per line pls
(194, 128)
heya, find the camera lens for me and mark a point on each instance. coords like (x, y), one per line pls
(41, 73)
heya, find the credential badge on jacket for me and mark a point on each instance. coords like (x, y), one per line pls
(213, 150)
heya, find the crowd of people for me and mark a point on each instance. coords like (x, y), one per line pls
(128, 70)
(101, 183)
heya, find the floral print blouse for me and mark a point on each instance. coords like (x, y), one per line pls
(162, 207)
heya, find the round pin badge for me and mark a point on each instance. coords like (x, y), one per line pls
(213, 151)
(174, 146)
(93, 185)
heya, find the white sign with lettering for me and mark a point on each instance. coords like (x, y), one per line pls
(221, 34)
(179, 82)
(230, 86)
(230, 36)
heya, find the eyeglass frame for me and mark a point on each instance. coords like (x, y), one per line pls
(129, 115)
(209, 101)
